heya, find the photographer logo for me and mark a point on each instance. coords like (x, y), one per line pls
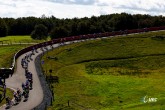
(147, 99)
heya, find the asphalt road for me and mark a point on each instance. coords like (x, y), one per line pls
(14, 82)
(36, 94)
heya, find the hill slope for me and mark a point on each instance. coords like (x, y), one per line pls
(115, 73)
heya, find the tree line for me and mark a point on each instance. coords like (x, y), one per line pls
(43, 26)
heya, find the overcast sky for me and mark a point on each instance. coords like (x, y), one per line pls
(79, 8)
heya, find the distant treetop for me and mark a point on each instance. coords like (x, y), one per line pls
(77, 26)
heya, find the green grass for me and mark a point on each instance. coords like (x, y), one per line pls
(9, 94)
(114, 48)
(109, 74)
(7, 53)
(19, 39)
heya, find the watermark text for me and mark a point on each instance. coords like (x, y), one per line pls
(148, 99)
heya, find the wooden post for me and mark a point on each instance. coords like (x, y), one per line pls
(46, 106)
(51, 101)
(4, 87)
(68, 103)
(53, 94)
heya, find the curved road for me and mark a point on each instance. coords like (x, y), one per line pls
(36, 94)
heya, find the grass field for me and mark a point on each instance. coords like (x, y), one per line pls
(7, 53)
(19, 39)
(9, 94)
(109, 74)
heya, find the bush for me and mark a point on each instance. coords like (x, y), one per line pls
(40, 32)
(3, 28)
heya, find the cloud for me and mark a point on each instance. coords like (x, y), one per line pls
(77, 2)
(103, 12)
(144, 6)
(151, 7)
(39, 7)
(102, 4)
(78, 8)
(7, 4)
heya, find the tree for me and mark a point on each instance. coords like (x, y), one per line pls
(122, 21)
(58, 32)
(83, 27)
(78, 26)
(3, 28)
(40, 32)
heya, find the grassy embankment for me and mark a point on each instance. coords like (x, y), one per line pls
(7, 53)
(109, 74)
(19, 39)
(2, 99)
